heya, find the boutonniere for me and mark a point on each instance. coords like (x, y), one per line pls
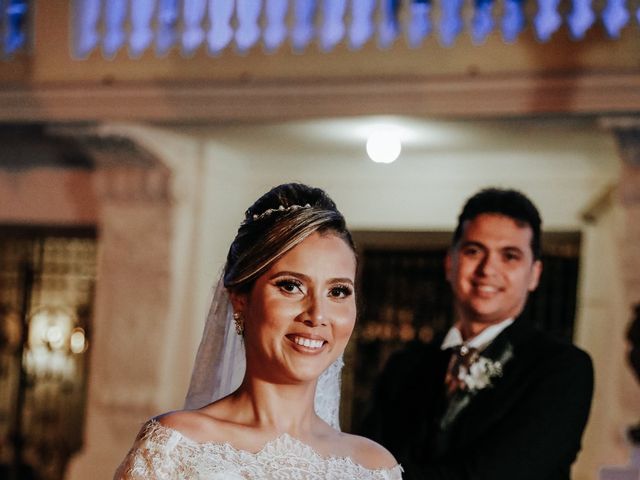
(479, 374)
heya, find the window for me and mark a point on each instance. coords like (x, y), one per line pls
(47, 279)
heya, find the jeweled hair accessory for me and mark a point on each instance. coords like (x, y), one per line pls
(280, 209)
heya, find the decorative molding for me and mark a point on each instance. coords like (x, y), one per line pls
(600, 203)
(116, 151)
(626, 131)
(125, 170)
(453, 96)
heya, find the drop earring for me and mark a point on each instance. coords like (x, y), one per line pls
(239, 324)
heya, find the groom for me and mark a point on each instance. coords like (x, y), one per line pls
(494, 399)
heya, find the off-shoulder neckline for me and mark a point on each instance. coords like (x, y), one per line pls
(270, 444)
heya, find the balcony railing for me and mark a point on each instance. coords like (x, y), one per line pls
(216, 25)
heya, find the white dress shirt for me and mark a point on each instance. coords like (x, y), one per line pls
(480, 341)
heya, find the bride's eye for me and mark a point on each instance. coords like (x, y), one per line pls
(289, 285)
(340, 291)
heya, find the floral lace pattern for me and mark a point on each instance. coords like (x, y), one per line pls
(327, 400)
(163, 453)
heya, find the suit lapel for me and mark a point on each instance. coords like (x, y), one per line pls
(432, 370)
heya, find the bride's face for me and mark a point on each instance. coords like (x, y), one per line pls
(300, 314)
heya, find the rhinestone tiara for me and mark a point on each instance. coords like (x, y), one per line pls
(280, 209)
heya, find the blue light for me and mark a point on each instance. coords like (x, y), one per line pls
(451, 21)
(141, 31)
(389, 26)
(167, 35)
(482, 23)
(333, 28)
(276, 30)
(248, 31)
(361, 28)
(615, 16)
(581, 18)
(16, 36)
(303, 30)
(193, 35)
(220, 32)
(86, 16)
(513, 20)
(114, 38)
(548, 20)
(419, 24)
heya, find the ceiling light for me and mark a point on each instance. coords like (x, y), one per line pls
(383, 146)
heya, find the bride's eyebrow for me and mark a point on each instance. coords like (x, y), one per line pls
(305, 278)
(287, 273)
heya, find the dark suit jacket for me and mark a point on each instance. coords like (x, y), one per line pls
(526, 426)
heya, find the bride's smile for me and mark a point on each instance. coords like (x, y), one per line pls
(307, 343)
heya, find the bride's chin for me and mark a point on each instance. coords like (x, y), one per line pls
(308, 373)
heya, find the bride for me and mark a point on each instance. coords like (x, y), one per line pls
(259, 405)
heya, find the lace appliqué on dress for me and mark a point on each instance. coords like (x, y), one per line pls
(161, 453)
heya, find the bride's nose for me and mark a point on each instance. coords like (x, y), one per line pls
(315, 311)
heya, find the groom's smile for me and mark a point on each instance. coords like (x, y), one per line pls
(486, 290)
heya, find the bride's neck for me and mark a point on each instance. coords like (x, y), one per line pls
(284, 408)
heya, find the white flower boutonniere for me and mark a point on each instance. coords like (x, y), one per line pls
(479, 374)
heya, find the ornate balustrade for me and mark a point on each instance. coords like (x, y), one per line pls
(217, 25)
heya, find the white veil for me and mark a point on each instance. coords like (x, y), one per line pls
(220, 364)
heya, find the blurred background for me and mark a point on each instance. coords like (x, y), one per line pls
(134, 134)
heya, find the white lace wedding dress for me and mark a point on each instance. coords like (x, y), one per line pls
(161, 453)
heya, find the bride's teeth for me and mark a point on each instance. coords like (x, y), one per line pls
(307, 342)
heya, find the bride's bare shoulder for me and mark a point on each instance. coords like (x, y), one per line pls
(368, 453)
(181, 419)
(195, 425)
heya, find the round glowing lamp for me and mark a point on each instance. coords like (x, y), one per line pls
(383, 147)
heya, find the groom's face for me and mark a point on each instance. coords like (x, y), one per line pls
(492, 269)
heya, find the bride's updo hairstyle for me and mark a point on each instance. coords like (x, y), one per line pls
(278, 221)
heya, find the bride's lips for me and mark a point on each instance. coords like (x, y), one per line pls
(306, 343)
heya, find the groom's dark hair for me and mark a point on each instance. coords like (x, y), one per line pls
(508, 202)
